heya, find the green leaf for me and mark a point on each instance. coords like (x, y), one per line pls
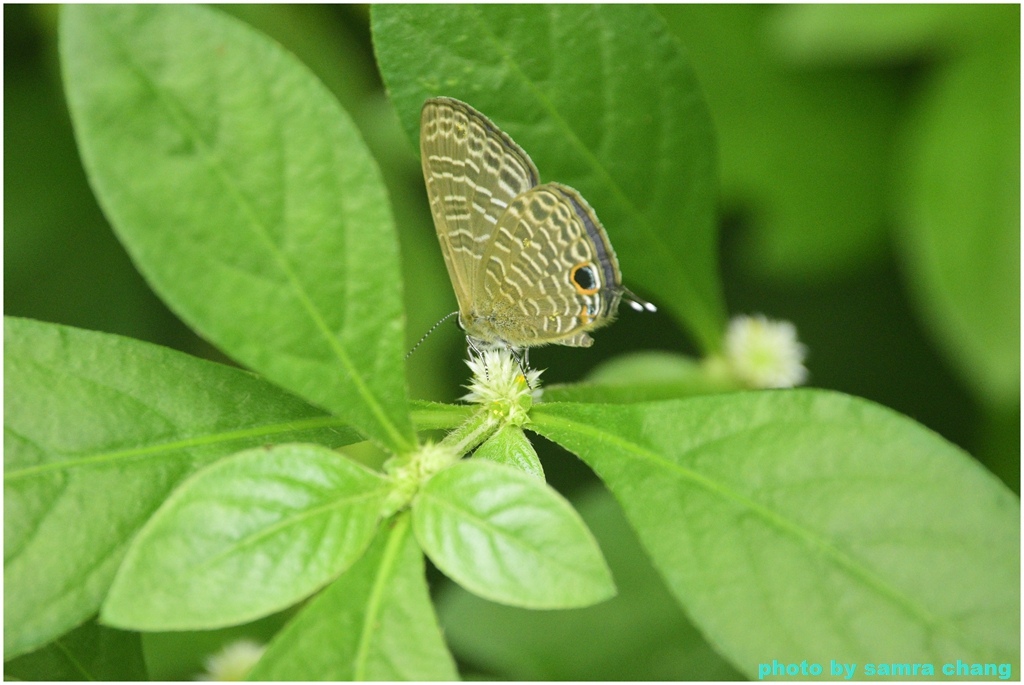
(98, 429)
(376, 622)
(640, 377)
(511, 447)
(246, 197)
(510, 538)
(640, 634)
(638, 145)
(247, 536)
(90, 652)
(962, 212)
(805, 155)
(811, 525)
(881, 34)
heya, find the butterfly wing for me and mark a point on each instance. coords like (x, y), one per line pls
(550, 274)
(473, 171)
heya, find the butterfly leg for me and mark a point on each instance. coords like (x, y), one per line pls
(476, 353)
(522, 357)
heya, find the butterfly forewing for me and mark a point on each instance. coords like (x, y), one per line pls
(550, 274)
(473, 172)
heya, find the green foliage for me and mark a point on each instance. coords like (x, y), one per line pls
(600, 642)
(511, 447)
(962, 206)
(784, 137)
(766, 511)
(98, 430)
(640, 377)
(506, 536)
(263, 528)
(164, 492)
(89, 652)
(248, 200)
(375, 623)
(788, 134)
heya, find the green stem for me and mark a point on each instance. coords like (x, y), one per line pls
(481, 425)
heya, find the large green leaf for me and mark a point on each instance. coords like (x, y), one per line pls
(374, 623)
(507, 536)
(90, 652)
(246, 197)
(640, 634)
(811, 525)
(962, 211)
(98, 429)
(247, 536)
(603, 99)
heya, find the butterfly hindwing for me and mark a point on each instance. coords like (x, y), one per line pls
(549, 275)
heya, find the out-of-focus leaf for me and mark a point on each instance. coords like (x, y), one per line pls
(887, 34)
(640, 377)
(90, 652)
(962, 212)
(805, 155)
(61, 262)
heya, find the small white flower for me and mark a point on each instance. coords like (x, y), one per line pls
(233, 661)
(498, 381)
(765, 354)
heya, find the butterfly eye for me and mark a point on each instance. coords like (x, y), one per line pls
(585, 278)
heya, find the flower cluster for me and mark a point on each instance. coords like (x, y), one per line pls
(765, 354)
(499, 383)
(233, 662)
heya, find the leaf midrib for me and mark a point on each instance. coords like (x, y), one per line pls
(332, 506)
(375, 603)
(786, 526)
(106, 458)
(184, 125)
(465, 514)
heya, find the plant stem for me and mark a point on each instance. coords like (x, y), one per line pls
(467, 436)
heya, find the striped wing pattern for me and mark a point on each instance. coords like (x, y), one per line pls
(530, 264)
(473, 171)
(550, 274)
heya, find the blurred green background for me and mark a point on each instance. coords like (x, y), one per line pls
(870, 193)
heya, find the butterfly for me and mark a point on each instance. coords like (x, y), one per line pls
(529, 262)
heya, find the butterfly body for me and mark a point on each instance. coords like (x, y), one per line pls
(530, 263)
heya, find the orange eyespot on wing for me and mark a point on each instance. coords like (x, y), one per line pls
(584, 278)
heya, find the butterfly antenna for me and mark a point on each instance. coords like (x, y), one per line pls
(431, 330)
(637, 303)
